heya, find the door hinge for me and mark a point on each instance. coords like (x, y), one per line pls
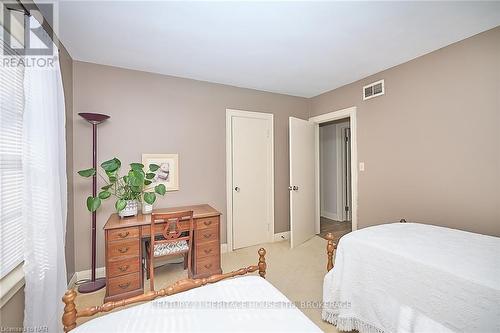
(346, 139)
(346, 208)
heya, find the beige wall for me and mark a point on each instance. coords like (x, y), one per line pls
(153, 113)
(431, 145)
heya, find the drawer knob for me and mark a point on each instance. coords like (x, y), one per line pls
(124, 285)
(207, 223)
(208, 266)
(207, 235)
(124, 268)
(123, 249)
(123, 235)
(207, 251)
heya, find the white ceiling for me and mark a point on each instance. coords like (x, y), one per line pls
(295, 48)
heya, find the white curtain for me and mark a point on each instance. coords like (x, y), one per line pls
(45, 196)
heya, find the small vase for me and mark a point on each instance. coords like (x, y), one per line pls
(130, 209)
(147, 208)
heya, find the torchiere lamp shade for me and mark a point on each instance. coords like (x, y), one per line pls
(94, 118)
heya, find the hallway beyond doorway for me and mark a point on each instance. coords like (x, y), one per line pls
(338, 229)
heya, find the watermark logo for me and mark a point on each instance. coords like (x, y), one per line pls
(26, 42)
(35, 40)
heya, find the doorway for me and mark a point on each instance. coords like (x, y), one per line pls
(250, 178)
(335, 178)
(305, 195)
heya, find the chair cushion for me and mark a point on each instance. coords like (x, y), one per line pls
(163, 249)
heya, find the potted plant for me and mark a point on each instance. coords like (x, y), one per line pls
(128, 190)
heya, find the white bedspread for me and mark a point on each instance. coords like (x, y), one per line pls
(242, 304)
(409, 277)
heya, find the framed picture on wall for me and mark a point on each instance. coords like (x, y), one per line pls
(168, 173)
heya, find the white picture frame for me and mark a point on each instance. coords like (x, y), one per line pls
(168, 174)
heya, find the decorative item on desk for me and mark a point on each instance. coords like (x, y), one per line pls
(136, 185)
(147, 208)
(130, 208)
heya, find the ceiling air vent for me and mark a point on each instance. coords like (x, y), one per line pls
(373, 90)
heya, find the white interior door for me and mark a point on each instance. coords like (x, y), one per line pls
(302, 181)
(252, 174)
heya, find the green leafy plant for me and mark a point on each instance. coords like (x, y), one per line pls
(135, 185)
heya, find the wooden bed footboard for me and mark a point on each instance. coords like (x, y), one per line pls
(330, 247)
(71, 314)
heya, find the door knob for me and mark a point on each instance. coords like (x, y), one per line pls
(237, 189)
(295, 188)
(290, 188)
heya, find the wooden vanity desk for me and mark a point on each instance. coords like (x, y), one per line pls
(123, 247)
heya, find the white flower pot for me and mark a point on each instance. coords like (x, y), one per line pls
(147, 208)
(130, 209)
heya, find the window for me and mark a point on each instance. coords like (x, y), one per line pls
(11, 172)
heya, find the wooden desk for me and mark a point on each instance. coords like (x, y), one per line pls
(123, 238)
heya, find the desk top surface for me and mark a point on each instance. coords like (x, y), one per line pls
(199, 211)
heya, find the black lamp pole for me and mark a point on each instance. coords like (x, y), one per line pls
(94, 284)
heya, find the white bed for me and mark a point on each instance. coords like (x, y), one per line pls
(242, 304)
(409, 277)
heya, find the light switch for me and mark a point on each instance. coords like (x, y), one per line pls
(361, 166)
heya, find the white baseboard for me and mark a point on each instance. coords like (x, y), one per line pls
(85, 275)
(281, 236)
(331, 216)
(99, 272)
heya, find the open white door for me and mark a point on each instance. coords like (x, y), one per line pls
(302, 181)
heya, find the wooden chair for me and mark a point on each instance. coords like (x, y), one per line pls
(172, 242)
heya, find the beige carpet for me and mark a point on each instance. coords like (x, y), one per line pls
(298, 273)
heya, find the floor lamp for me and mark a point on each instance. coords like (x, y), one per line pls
(94, 284)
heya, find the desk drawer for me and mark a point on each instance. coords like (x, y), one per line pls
(207, 249)
(124, 283)
(120, 250)
(208, 266)
(125, 233)
(206, 235)
(207, 222)
(122, 267)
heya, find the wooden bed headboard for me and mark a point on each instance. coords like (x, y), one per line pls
(71, 314)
